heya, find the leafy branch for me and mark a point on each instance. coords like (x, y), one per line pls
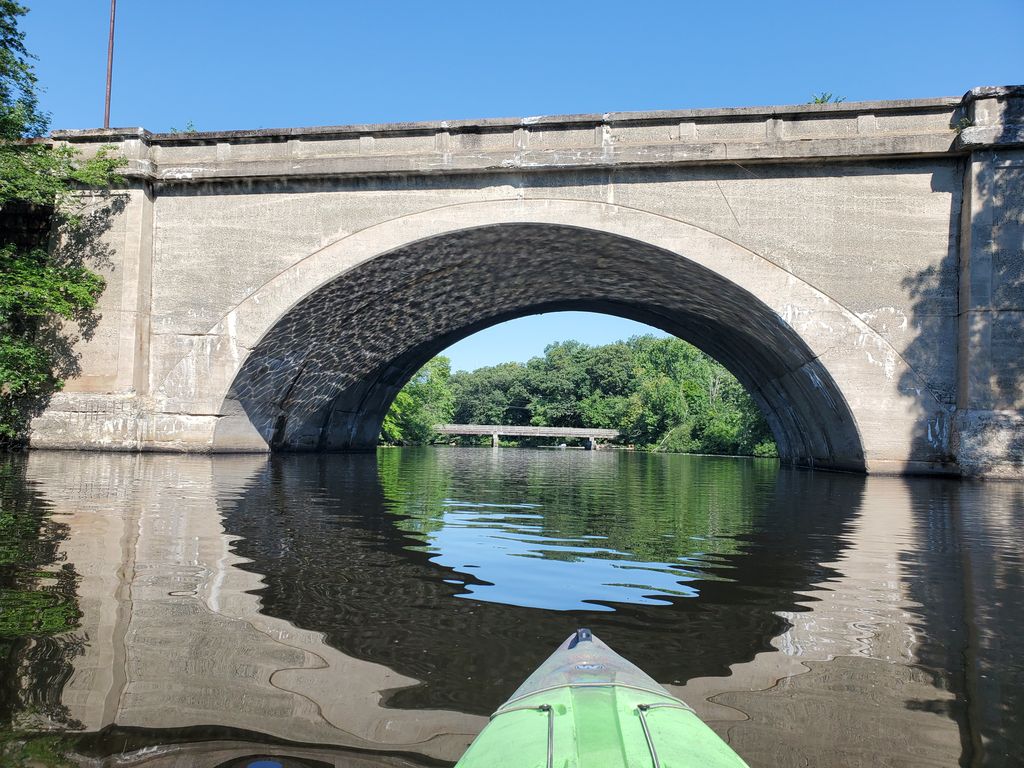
(826, 97)
(54, 206)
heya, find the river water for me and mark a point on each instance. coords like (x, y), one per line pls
(358, 610)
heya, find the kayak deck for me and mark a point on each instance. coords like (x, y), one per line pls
(587, 707)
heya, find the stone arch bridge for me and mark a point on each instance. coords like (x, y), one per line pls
(859, 267)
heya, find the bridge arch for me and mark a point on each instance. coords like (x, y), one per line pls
(313, 358)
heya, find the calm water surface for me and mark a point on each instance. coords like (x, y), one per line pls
(373, 610)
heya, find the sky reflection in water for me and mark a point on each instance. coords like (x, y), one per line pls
(562, 574)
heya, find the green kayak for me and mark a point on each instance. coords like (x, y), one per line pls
(587, 707)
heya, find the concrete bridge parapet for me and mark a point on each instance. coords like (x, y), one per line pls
(858, 266)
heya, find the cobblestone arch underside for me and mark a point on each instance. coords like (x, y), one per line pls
(323, 377)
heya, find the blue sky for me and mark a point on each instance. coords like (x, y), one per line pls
(224, 64)
(526, 337)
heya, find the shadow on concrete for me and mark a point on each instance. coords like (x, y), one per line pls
(66, 241)
(977, 294)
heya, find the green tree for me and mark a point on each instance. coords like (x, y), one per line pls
(610, 383)
(49, 225)
(425, 401)
(657, 406)
(556, 382)
(497, 394)
(660, 393)
(826, 97)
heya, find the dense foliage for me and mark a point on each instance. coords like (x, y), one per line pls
(660, 393)
(425, 401)
(48, 230)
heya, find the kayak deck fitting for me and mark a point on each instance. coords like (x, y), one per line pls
(587, 707)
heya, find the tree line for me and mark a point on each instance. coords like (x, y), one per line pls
(661, 394)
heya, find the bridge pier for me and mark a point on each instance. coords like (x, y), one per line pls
(988, 426)
(495, 442)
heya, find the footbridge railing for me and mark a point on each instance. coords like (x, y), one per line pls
(588, 434)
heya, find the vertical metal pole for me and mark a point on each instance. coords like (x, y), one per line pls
(110, 64)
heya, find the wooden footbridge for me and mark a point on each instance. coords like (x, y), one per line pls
(590, 436)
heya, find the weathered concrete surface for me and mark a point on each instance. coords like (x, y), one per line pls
(990, 393)
(858, 266)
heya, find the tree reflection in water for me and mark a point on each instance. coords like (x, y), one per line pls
(379, 555)
(38, 606)
(887, 607)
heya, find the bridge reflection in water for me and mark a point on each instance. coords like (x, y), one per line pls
(346, 601)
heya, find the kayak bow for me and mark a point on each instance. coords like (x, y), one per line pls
(587, 707)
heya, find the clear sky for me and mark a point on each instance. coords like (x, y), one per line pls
(224, 64)
(526, 337)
